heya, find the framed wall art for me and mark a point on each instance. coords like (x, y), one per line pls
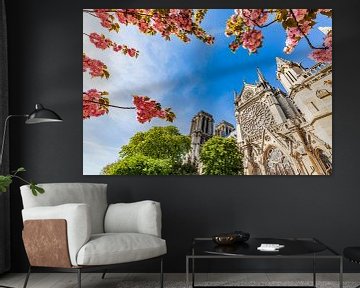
(207, 91)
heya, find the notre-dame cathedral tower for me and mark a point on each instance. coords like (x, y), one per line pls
(202, 128)
(287, 133)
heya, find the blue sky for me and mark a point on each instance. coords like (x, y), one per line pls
(186, 77)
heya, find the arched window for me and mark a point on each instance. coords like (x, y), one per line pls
(277, 163)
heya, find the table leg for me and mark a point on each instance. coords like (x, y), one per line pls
(193, 272)
(314, 271)
(341, 273)
(187, 272)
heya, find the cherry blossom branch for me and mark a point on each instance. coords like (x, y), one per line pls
(105, 104)
(89, 12)
(125, 12)
(302, 32)
(266, 25)
(260, 26)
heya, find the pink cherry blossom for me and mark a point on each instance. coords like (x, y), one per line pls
(323, 55)
(104, 17)
(252, 40)
(100, 41)
(295, 34)
(148, 109)
(95, 103)
(253, 17)
(95, 67)
(300, 13)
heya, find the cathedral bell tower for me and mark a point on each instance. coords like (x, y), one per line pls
(311, 91)
(202, 128)
(289, 73)
(223, 129)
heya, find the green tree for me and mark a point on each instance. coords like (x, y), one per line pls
(220, 156)
(139, 164)
(158, 142)
(158, 151)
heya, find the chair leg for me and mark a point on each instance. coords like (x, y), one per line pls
(161, 273)
(103, 275)
(27, 277)
(79, 277)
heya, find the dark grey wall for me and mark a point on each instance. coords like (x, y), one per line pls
(45, 46)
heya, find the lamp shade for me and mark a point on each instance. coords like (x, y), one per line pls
(42, 115)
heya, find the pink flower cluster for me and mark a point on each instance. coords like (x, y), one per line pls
(252, 17)
(294, 35)
(148, 109)
(252, 40)
(324, 55)
(178, 22)
(234, 45)
(101, 42)
(96, 68)
(126, 50)
(300, 13)
(127, 16)
(95, 103)
(104, 17)
(242, 25)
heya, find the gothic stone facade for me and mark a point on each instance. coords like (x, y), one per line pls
(287, 133)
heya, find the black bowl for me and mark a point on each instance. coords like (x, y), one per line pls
(225, 239)
(241, 236)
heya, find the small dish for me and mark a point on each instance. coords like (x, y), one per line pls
(225, 239)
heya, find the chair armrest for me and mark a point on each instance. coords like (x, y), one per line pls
(77, 218)
(138, 217)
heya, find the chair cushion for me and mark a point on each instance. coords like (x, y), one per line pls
(352, 253)
(114, 248)
(92, 194)
(137, 217)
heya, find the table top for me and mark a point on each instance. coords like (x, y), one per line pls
(292, 247)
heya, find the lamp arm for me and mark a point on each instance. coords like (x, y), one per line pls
(4, 134)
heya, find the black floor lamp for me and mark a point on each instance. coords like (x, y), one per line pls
(39, 115)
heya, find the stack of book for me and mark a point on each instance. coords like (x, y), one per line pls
(270, 247)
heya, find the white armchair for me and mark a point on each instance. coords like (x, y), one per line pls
(72, 228)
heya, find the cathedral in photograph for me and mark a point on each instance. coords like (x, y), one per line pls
(278, 133)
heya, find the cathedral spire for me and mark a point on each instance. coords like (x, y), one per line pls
(235, 95)
(260, 76)
(280, 62)
(289, 73)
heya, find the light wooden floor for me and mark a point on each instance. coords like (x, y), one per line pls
(113, 280)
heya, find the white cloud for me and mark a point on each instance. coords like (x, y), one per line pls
(94, 154)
